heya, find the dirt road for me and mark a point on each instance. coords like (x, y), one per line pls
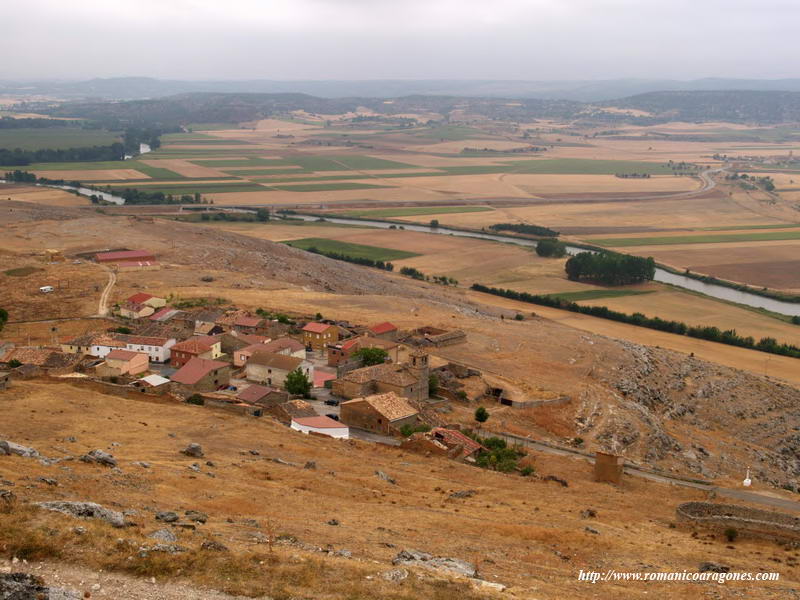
(102, 306)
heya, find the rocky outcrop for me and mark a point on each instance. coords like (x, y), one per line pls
(85, 510)
(415, 558)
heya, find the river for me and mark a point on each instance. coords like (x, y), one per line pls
(662, 275)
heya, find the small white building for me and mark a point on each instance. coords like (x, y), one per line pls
(321, 425)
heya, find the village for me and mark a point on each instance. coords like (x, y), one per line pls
(373, 382)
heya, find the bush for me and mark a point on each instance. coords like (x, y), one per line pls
(408, 430)
(519, 317)
(526, 229)
(371, 356)
(482, 415)
(551, 248)
(123, 330)
(731, 534)
(14, 363)
(796, 320)
(297, 383)
(527, 471)
(195, 399)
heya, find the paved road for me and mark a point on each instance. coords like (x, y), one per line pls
(744, 495)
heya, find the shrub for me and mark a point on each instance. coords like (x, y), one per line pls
(519, 317)
(551, 248)
(14, 363)
(433, 384)
(527, 471)
(731, 534)
(297, 383)
(408, 430)
(482, 415)
(195, 399)
(371, 356)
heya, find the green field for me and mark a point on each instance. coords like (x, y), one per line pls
(596, 294)
(256, 172)
(187, 188)
(55, 137)
(348, 249)
(697, 239)
(586, 166)
(327, 187)
(243, 162)
(412, 211)
(452, 133)
(345, 162)
(744, 227)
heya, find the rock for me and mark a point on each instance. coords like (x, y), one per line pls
(333, 522)
(589, 513)
(163, 535)
(195, 450)
(165, 548)
(385, 477)
(47, 480)
(423, 559)
(197, 516)
(85, 510)
(395, 575)
(498, 587)
(563, 482)
(141, 463)
(79, 530)
(463, 494)
(21, 586)
(71, 439)
(100, 457)
(713, 568)
(210, 463)
(213, 546)
(194, 467)
(591, 530)
(344, 553)
(255, 452)
(310, 465)
(167, 516)
(8, 448)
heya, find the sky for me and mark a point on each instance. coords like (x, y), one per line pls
(400, 39)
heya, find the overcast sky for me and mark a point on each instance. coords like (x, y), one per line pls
(403, 39)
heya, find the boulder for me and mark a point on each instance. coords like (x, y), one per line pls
(21, 586)
(213, 546)
(423, 559)
(463, 494)
(395, 575)
(196, 515)
(100, 457)
(713, 567)
(195, 450)
(385, 477)
(167, 516)
(8, 448)
(85, 510)
(163, 535)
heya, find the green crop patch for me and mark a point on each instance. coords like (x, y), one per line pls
(328, 187)
(345, 162)
(453, 133)
(766, 236)
(243, 162)
(585, 166)
(352, 250)
(55, 138)
(597, 294)
(412, 211)
(286, 171)
(202, 188)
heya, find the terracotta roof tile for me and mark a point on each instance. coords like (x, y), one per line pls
(194, 370)
(317, 327)
(384, 327)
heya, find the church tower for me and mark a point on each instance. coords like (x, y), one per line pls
(418, 366)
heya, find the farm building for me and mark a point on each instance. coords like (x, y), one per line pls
(293, 409)
(262, 395)
(318, 335)
(380, 413)
(272, 368)
(202, 375)
(286, 346)
(152, 383)
(248, 324)
(322, 426)
(147, 299)
(445, 442)
(121, 256)
(386, 331)
(123, 362)
(134, 310)
(341, 352)
(137, 265)
(165, 314)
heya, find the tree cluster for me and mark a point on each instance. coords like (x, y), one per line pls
(20, 157)
(610, 269)
(551, 248)
(357, 260)
(525, 228)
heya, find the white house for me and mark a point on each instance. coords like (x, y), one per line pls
(321, 425)
(157, 348)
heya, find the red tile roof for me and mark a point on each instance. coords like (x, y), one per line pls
(142, 340)
(453, 437)
(384, 327)
(119, 354)
(139, 298)
(245, 321)
(254, 393)
(353, 343)
(317, 327)
(192, 346)
(194, 370)
(284, 343)
(319, 422)
(164, 314)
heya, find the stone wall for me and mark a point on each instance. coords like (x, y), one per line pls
(750, 522)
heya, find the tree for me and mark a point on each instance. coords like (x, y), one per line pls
(481, 415)
(371, 356)
(262, 214)
(297, 383)
(434, 223)
(551, 247)
(14, 363)
(433, 384)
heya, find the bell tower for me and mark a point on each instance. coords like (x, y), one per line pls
(418, 366)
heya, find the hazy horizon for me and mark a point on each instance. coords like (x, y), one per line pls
(373, 40)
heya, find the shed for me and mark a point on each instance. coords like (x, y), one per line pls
(322, 426)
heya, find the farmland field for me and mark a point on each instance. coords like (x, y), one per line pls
(697, 239)
(415, 211)
(55, 137)
(350, 249)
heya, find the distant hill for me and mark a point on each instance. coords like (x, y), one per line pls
(728, 105)
(137, 88)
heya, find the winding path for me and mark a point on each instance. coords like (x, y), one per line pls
(102, 306)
